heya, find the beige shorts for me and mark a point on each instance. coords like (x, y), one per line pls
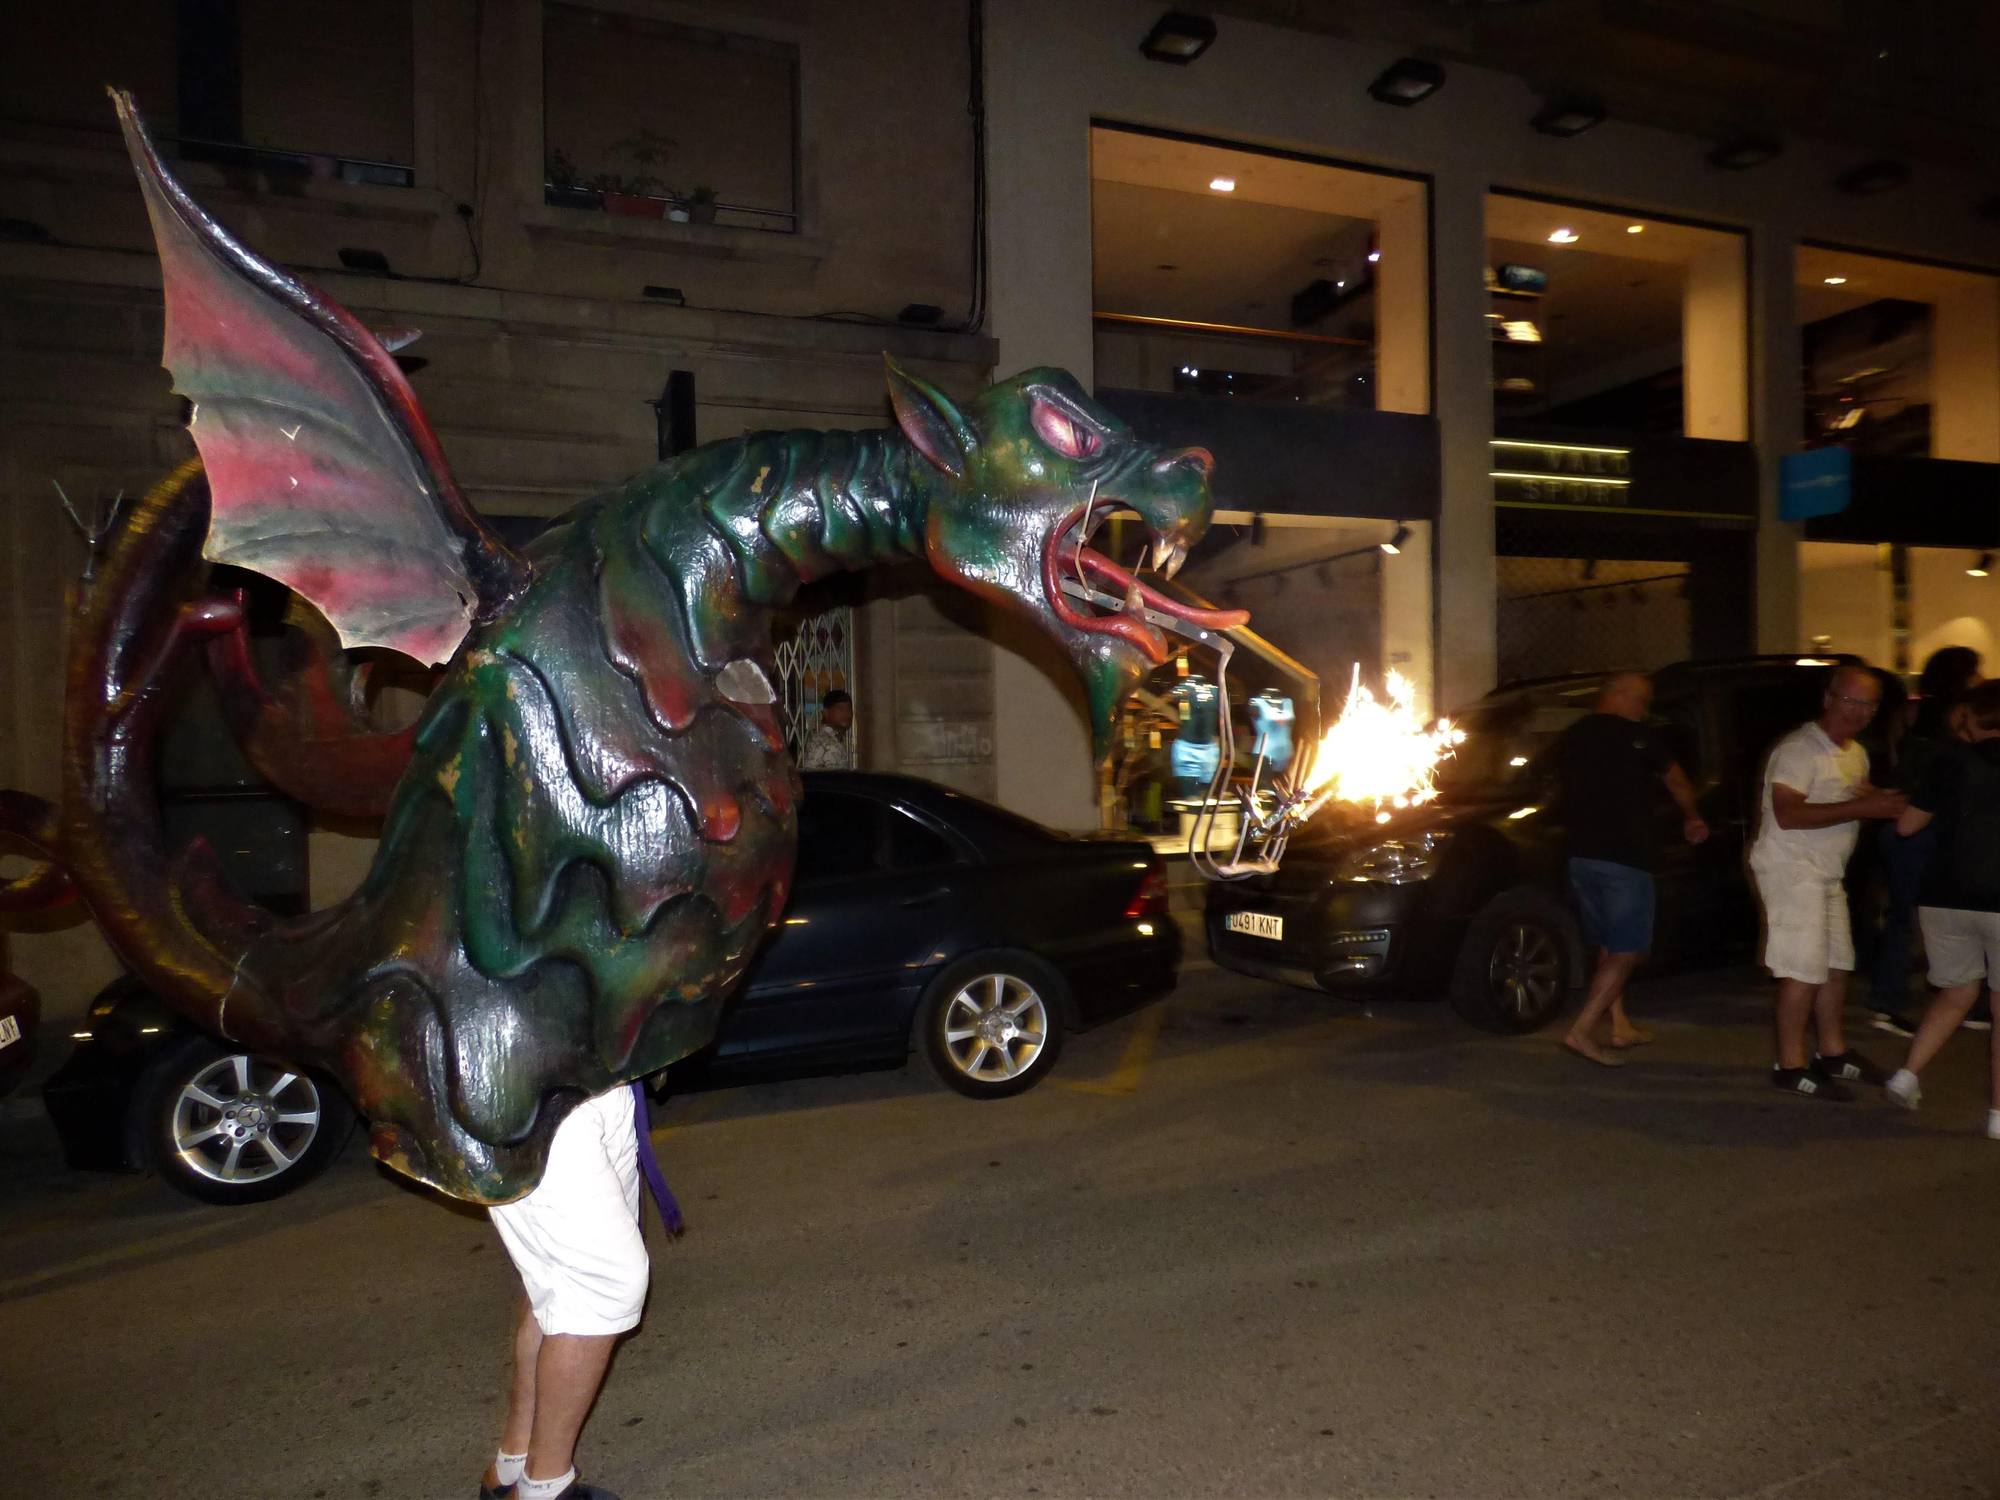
(1962, 946)
(1806, 933)
(575, 1239)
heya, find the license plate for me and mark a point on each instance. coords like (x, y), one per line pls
(10, 1031)
(1256, 924)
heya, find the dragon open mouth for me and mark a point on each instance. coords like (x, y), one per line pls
(1068, 558)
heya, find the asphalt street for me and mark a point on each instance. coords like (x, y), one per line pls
(1248, 1242)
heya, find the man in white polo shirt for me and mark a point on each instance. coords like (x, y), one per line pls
(1816, 792)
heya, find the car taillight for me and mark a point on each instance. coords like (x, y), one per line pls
(1150, 899)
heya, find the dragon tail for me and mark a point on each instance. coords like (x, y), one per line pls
(172, 918)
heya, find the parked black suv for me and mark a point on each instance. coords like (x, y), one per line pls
(1468, 893)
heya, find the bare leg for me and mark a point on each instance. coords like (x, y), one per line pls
(521, 1397)
(1623, 1032)
(1996, 1050)
(1607, 987)
(1947, 1009)
(568, 1370)
(1795, 1004)
(1829, 1000)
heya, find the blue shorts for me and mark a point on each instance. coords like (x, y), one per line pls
(1617, 905)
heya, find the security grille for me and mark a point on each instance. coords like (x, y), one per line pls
(1572, 614)
(814, 657)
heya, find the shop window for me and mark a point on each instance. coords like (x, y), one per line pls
(1902, 359)
(1613, 322)
(647, 118)
(1584, 614)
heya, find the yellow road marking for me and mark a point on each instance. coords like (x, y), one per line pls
(1131, 1063)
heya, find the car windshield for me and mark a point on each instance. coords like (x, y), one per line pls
(1505, 737)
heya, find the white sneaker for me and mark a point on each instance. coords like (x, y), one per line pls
(1902, 1089)
(1993, 1124)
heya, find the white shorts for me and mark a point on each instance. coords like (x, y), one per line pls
(1806, 933)
(1962, 946)
(575, 1239)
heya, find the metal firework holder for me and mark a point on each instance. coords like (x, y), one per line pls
(1273, 805)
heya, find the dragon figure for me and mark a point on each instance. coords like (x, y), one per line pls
(592, 825)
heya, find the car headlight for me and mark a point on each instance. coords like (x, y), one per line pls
(1397, 861)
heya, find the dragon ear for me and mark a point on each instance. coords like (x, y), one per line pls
(930, 421)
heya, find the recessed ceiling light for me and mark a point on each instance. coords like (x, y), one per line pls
(1178, 37)
(1635, 228)
(1836, 281)
(1222, 184)
(1874, 177)
(1373, 256)
(1407, 81)
(1570, 117)
(1563, 236)
(1743, 153)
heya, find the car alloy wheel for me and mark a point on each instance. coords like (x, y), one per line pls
(1525, 971)
(995, 1028)
(991, 1025)
(240, 1121)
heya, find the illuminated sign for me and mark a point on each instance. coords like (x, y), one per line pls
(1561, 475)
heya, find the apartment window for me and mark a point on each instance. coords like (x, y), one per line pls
(655, 120)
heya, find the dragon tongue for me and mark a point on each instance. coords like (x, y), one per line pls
(1103, 567)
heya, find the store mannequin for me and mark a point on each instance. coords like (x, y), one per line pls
(1197, 749)
(1271, 717)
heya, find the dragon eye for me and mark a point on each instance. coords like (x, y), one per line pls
(1068, 437)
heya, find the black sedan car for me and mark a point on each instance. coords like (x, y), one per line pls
(921, 919)
(1468, 894)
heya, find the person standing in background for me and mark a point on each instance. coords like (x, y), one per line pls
(1947, 677)
(1958, 801)
(829, 748)
(1611, 766)
(1816, 792)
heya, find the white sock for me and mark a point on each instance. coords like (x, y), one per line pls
(1902, 1078)
(507, 1467)
(544, 1489)
(1993, 1124)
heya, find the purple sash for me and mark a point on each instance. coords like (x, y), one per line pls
(649, 1164)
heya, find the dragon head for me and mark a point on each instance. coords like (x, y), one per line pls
(1021, 482)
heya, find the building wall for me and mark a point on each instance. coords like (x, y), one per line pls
(541, 371)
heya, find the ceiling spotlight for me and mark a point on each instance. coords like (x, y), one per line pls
(1396, 543)
(1570, 117)
(1836, 281)
(1981, 568)
(1178, 37)
(1222, 184)
(1874, 177)
(1407, 81)
(1374, 256)
(1564, 236)
(1635, 228)
(1745, 152)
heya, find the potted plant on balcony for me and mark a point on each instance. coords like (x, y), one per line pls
(563, 186)
(700, 205)
(642, 195)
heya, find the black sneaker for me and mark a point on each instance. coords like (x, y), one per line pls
(1849, 1067)
(1895, 1025)
(1802, 1081)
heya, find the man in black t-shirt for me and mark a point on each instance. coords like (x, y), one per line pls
(1611, 765)
(1958, 906)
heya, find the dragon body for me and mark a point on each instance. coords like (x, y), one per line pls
(593, 824)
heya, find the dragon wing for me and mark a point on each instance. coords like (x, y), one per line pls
(323, 471)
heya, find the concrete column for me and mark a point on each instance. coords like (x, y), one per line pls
(1038, 188)
(1965, 372)
(1407, 646)
(1715, 346)
(1463, 401)
(1777, 385)
(1403, 305)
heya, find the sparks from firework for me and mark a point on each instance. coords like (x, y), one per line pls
(1378, 754)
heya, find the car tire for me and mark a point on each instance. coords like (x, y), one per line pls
(1518, 965)
(991, 1026)
(223, 1127)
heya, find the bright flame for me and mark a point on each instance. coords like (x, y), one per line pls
(1379, 754)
